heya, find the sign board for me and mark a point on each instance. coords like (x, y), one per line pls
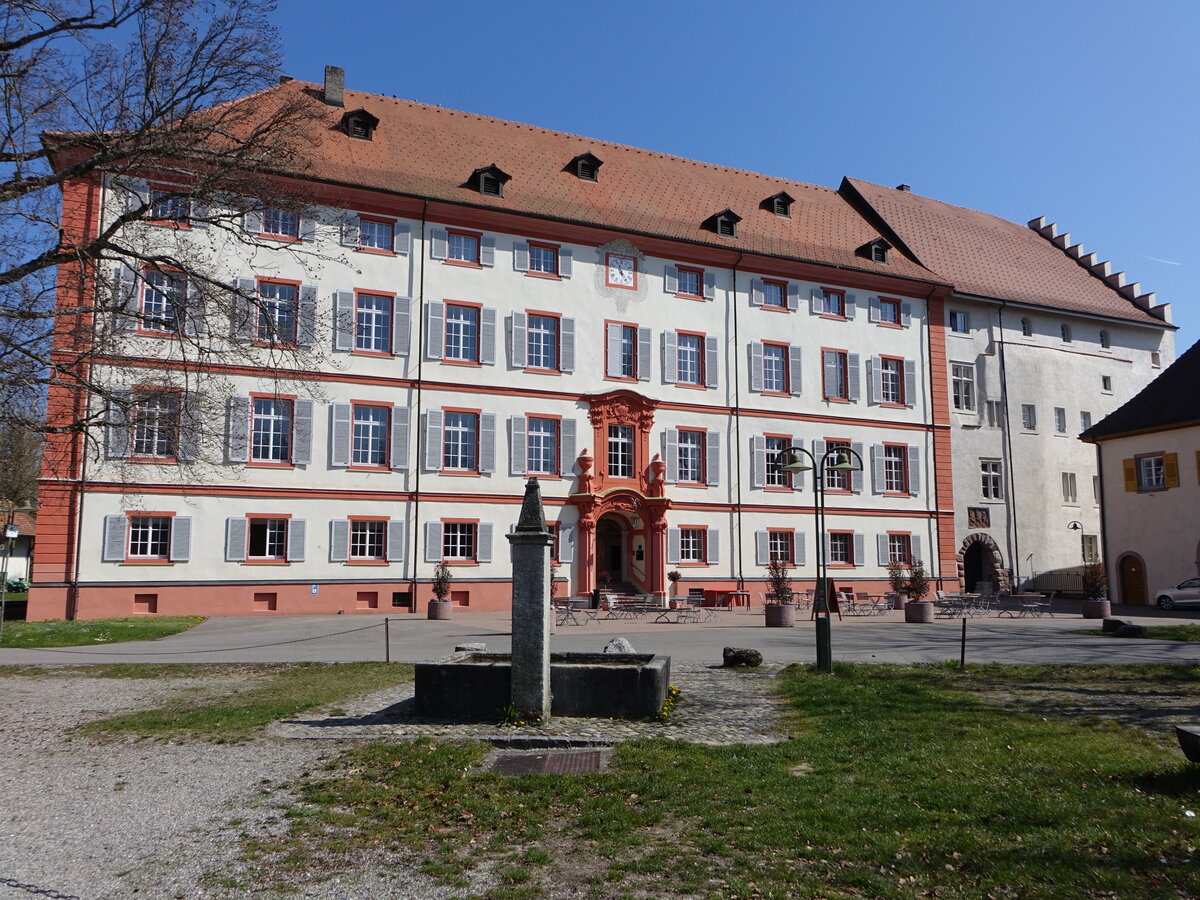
(11, 532)
(314, 588)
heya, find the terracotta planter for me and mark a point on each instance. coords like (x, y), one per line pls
(918, 611)
(1097, 609)
(781, 615)
(440, 609)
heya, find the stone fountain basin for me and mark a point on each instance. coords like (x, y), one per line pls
(600, 685)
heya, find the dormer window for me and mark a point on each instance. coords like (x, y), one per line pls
(723, 223)
(585, 167)
(489, 181)
(359, 123)
(780, 204)
(876, 250)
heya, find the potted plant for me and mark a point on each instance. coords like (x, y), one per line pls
(1096, 604)
(916, 586)
(440, 606)
(780, 609)
(673, 576)
(554, 570)
(898, 580)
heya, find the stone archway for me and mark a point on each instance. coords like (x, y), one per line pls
(642, 525)
(983, 548)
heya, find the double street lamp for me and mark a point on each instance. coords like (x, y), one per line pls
(842, 460)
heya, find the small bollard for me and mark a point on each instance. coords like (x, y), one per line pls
(387, 642)
(962, 653)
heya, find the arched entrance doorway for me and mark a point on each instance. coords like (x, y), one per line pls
(612, 549)
(974, 566)
(1133, 579)
(979, 560)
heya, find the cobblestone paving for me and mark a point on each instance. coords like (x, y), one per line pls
(717, 706)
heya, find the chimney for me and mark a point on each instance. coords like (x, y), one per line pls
(335, 83)
(904, 187)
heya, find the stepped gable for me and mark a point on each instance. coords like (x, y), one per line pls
(988, 256)
(1170, 400)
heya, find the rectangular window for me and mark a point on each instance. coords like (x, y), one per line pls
(900, 549)
(367, 539)
(163, 295)
(276, 312)
(266, 539)
(692, 545)
(1060, 420)
(959, 322)
(149, 537)
(1029, 417)
(779, 546)
(1085, 420)
(1150, 473)
(1155, 359)
(155, 426)
(891, 374)
(835, 479)
(841, 548)
(833, 303)
(991, 487)
(541, 437)
(776, 477)
(691, 456)
(995, 413)
(690, 283)
(370, 435)
(1106, 383)
(962, 386)
(1096, 488)
(1069, 490)
(774, 294)
(169, 206)
(543, 259)
(460, 433)
(462, 247)
(775, 368)
(1090, 544)
(458, 541)
(372, 323)
(462, 333)
(895, 469)
(271, 430)
(889, 311)
(690, 359)
(836, 375)
(376, 234)
(627, 347)
(620, 451)
(542, 342)
(281, 223)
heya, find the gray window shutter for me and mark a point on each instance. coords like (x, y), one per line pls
(487, 336)
(487, 443)
(914, 469)
(566, 351)
(243, 315)
(401, 325)
(252, 222)
(797, 477)
(566, 543)
(181, 539)
(714, 546)
(874, 379)
(195, 322)
(856, 477)
(517, 339)
(671, 280)
(793, 296)
(566, 447)
(712, 449)
(756, 292)
(762, 548)
(673, 541)
(798, 548)
(340, 434)
(433, 542)
(395, 540)
(817, 302)
(351, 226)
(795, 370)
(643, 354)
(297, 536)
(339, 540)
(302, 432)
(117, 431)
(306, 316)
(910, 382)
(125, 297)
(756, 366)
(852, 371)
(671, 454)
(906, 314)
(520, 257)
(710, 285)
(237, 430)
(859, 550)
(873, 309)
(433, 442)
(435, 330)
(483, 548)
(308, 228)
(914, 546)
(235, 539)
(401, 238)
(518, 452)
(438, 248)
(200, 213)
(191, 427)
(758, 461)
(711, 363)
(833, 371)
(851, 305)
(881, 548)
(878, 479)
(343, 320)
(115, 530)
(826, 541)
(399, 448)
(565, 260)
(487, 251)
(613, 351)
(670, 357)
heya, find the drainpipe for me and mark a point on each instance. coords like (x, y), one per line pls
(735, 379)
(418, 462)
(1012, 539)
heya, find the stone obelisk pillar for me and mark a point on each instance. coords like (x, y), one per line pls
(531, 542)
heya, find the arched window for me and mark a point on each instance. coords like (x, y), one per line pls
(1026, 327)
(1105, 341)
(1065, 331)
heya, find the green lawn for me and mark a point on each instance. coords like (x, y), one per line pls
(1159, 632)
(58, 633)
(899, 782)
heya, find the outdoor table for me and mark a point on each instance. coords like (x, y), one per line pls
(1032, 605)
(737, 598)
(684, 614)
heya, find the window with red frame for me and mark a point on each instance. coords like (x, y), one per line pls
(841, 548)
(776, 477)
(543, 259)
(541, 342)
(281, 223)
(460, 441)
(163, 298)
(376, 234)
(463, 247)
(774, 294)
(149, 537)
(271, 430)
(169, 206)
(889, 311)
(693, 545)
(895, 469)
(775, 368)
(836, 374)
(372, 323)
(836, 479)
(690, 282)
(155, 419)
(691, 456)
(779, 546)
(277, 312)
(899, 549)
(370, 441)
(459, 541)
(462, 333)
(833, 303)
(541, 437)
(891, 380)
(689, 359)
(266, 539)
(367, 539)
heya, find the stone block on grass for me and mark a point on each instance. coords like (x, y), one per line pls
(742, 656)
(1129, 630)
(1110, 625)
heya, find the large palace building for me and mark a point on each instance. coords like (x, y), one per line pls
(465, 302)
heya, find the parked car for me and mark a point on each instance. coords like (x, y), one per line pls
(1186, 593)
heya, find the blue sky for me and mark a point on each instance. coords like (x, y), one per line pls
(1087, 113)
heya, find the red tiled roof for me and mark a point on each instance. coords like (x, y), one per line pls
(25, 521)
(985, 255)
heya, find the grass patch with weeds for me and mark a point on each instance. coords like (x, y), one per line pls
(1158, 632)
(59, 633)
(265, 694)
(906, 781)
